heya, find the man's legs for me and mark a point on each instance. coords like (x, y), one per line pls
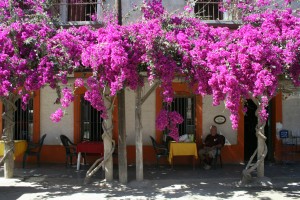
(204, 157)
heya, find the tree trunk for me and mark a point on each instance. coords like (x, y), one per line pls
(107, 140)
(138, 136)
(8, 134)
(261, 149)
(261, 145)
(122, 152)
(105, 162)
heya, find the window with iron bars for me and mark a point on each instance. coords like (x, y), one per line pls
(23, 129)
(77, 10)
(208, 9)
(186, 107)
(91, 122)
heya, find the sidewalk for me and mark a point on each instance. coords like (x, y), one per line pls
(182, 182)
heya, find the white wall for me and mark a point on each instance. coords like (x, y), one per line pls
(148, 116)
(53, 130)
(291, 114)
(66, 125)
(170, 5)
(209, 112)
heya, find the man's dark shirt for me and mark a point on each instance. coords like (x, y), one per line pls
(214, 140)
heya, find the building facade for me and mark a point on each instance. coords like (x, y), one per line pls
(82, 122)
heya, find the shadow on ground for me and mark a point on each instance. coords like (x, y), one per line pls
(58, 182)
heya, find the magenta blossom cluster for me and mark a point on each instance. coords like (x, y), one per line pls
(67, 97)
(57, 115)
(230, 65)
(167, 120)
(152, 9)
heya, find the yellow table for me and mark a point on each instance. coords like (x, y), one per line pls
(20, 147)
(182, 149)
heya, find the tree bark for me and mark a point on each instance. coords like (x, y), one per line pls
(261, 145)
(261, 149)
(122, 152)
(107, 140)
(139, 136)
(105, 162)
(8, 136)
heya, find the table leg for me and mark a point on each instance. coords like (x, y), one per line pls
(78, 160)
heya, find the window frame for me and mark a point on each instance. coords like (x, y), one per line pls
(64, 11)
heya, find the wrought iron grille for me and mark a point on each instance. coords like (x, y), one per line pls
(185, 106)
(91, 122)
(23, 129)
(76, 10)
(211, 10)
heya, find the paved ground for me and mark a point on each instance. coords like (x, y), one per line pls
(181, 182)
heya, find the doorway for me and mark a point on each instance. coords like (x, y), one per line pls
(250, 140)
(250, 122)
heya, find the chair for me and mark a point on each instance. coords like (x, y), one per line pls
(218, 155)
(34, 149)
(70, 148)
(160, 150)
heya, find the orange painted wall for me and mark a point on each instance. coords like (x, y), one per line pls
(277, 117)
(36, 116)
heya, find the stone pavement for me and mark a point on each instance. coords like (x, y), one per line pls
(182, 182)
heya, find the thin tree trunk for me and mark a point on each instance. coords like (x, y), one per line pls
(261, 145)
(105, 162)
(261, 150)
(139, 136)
(8, 134)
(107, 140)
(122, 152)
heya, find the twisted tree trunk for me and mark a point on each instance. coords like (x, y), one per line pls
(261, 150)
(105, 162)
(8, 134)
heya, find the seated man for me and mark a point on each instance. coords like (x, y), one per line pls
(211, 143)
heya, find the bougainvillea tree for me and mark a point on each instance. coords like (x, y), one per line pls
(248, 65)
(230, 65)
(237, 65)
(30, 58)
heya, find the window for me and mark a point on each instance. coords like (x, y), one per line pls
(77, 10)
(23, 129)
(208, 10)
(185, 106)
(91, 122)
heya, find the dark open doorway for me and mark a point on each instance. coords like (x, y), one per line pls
(250, 140)
(250, 121)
